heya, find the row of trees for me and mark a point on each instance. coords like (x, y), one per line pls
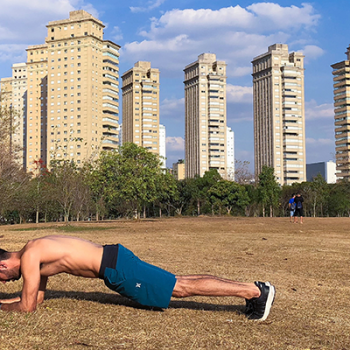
(130, 183)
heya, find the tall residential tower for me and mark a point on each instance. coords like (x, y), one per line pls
(73, 104)
(205, 116)
(341, 85)
(279, 117)
(230, 153)
(141, 106)
(14, 97)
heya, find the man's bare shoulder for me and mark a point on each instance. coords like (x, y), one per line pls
(57, 239)
(57, 243)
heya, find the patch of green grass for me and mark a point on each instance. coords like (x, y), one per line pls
(66, 228)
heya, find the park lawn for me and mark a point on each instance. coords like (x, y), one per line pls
(308, 264)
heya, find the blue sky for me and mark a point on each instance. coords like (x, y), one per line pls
(171, 34)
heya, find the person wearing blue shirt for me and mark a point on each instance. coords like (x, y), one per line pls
(291, 206)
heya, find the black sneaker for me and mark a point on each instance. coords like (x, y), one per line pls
(259, 308)
(248, 307)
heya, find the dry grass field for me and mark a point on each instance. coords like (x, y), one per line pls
(309, 265)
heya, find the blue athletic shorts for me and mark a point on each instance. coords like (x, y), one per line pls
(135, 279)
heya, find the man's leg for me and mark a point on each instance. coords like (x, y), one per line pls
(259, 296)
(296, 217)
(207, 285)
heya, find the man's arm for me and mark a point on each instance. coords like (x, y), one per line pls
(40, 298)
(32, 283)
(42, 289)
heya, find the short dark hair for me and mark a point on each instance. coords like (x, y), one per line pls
(4, 254)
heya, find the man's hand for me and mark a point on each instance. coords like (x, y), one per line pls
(10, 301)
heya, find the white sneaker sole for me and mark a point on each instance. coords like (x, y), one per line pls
(269, 302)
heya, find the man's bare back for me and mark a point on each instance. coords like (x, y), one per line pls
(59, 254)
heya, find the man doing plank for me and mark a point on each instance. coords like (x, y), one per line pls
(121, 271)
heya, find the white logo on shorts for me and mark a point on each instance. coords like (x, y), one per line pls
(138, 285)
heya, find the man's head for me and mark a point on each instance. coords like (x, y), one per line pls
(293, 195)
(4, 254)
(8, 272)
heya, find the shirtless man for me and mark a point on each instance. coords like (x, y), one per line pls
(121, 271)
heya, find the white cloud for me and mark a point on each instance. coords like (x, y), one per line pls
(312, 141)
(14, 53)
(152, 5)
(175, 144)
(312, 52)
(235, 34)
(260, 17)
(271, 15)
(314, 111)
(239, 71)
(117, 33)
(173, 107)
(239, 94)
(29, 23)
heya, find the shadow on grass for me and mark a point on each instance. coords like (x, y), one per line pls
(116, 299)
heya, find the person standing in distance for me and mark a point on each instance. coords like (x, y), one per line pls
(291, 206)
(298, 200)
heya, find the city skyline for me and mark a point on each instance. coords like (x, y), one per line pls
(171, 38)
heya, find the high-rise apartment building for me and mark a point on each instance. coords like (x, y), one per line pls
(141, 106)
(179, 170)
(14, 98)
(279, 117)
(230, 153)
(120, 130)
(205, 116)
(73, 105)
(162, 145)
(341, 86)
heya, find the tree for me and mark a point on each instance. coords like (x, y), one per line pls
(319, 193)
(38, 194)
(209, 179)
(128, 180)
(168, 193)
(339, 199)
(12, 176)
(252, 208)
(65, 179)
(83, 194)
(228, 195)
(268, 190)
(242, 173)
(187, 190)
